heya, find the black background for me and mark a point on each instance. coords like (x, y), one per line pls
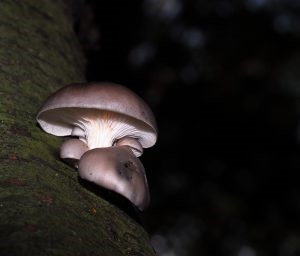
(223, 80)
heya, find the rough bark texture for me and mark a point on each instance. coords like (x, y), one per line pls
(44, 210)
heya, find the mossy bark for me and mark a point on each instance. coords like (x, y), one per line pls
(44, 210)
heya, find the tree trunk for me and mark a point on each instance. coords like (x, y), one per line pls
(44, 209)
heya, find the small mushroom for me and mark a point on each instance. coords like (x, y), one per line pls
(133, 144)
(72, 150)
(99, 114)
(117, 169)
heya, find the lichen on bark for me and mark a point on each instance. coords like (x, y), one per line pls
(44, 210)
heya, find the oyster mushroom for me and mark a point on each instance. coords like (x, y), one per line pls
(99, 114)
(117, 169)
(133, 144)
(72, 150)
(110, 126)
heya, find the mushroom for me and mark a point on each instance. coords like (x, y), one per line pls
(99, 114)
(117, 169)
(110, 126)
(72, 150)
(133, 144)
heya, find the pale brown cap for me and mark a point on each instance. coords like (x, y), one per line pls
(75, 101)
(132, 143)
(117, 169)
(72, 150)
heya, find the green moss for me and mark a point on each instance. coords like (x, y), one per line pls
(44, 210)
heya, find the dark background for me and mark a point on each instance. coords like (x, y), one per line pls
(223, 80)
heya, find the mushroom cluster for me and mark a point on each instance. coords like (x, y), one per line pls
(108, 125)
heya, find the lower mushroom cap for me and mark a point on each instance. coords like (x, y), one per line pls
(117, 169)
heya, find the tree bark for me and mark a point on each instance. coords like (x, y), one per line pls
(44, 209)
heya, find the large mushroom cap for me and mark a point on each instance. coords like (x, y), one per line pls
(119, 170)
(76, 101)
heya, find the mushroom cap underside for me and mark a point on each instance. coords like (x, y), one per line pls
(61, 122)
